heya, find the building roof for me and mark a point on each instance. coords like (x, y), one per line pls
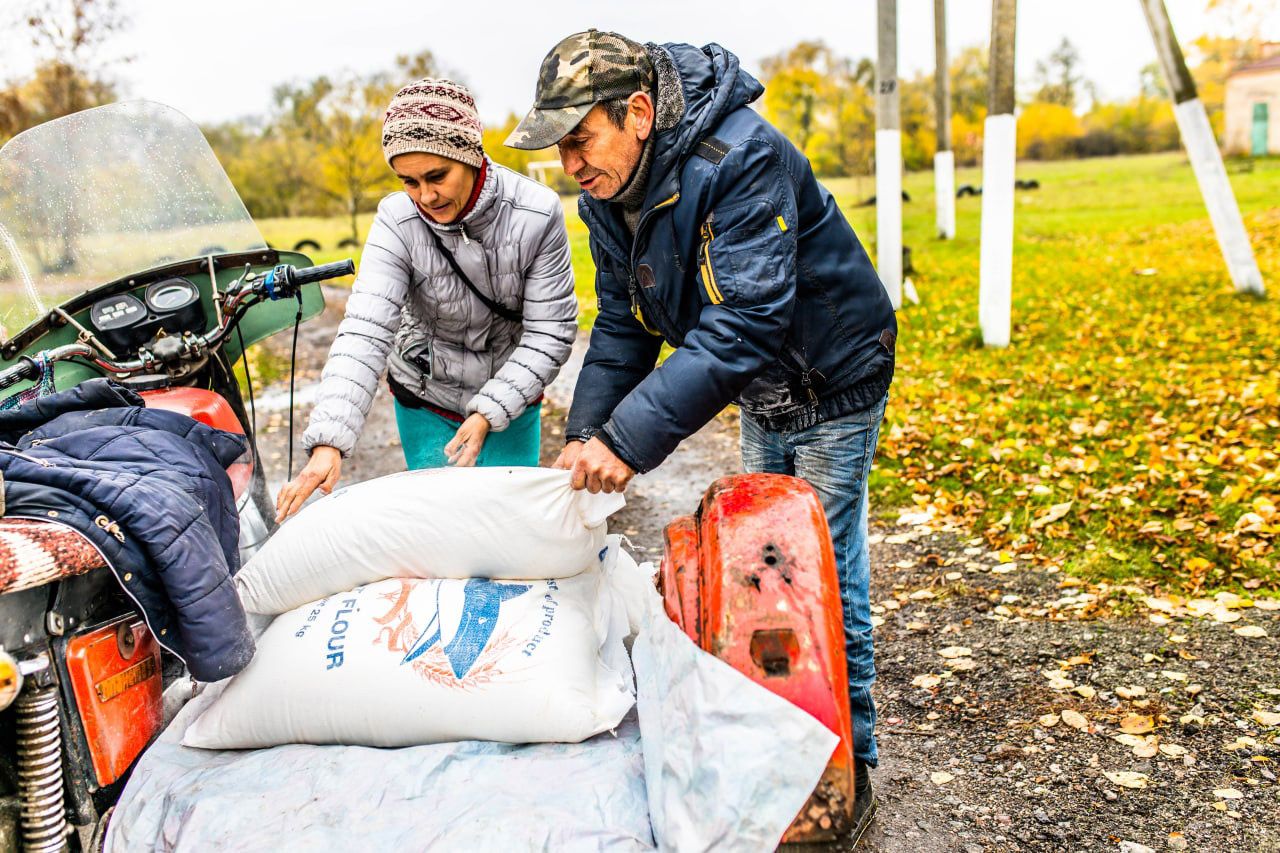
(1271, 63)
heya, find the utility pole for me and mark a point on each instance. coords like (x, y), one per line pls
(888, 154)
(999, 152)
(944, 162)
(1202, 151)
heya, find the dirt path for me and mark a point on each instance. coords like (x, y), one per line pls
(1019, 709)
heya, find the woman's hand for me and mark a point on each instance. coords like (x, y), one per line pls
(322, 472)
(466, 443)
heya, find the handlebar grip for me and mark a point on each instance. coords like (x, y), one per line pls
(25, 369)
(310, 275)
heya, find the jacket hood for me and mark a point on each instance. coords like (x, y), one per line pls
(714, 85)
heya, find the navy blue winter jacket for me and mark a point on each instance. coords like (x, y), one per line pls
(149, 488)
(742, 261)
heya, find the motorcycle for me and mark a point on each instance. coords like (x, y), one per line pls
(125, 252)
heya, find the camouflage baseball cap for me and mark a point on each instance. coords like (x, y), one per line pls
(577, 74)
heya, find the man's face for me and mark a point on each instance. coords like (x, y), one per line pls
(599, 155)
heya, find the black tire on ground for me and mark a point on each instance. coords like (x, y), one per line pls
(349, 243)
(302, 245)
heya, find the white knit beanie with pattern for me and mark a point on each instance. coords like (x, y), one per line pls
(434, 116)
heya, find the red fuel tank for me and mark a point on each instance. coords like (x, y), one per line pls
(751, 578)
(211, 409)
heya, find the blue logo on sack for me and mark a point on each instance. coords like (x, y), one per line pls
(467, 626)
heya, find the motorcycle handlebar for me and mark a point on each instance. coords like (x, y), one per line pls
(281, 282)
(324, 272)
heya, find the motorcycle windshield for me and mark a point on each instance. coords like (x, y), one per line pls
(107, 193)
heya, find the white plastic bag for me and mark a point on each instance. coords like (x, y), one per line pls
(441, 523)
(403, 662)
(726, 764)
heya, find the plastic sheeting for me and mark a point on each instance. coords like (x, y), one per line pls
(713, 762)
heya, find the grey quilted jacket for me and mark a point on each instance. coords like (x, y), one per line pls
(410, 314)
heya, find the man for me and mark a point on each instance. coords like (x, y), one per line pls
(709, 231)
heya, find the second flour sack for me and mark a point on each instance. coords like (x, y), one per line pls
(403, 662)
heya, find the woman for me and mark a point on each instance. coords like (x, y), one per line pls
(465, 295)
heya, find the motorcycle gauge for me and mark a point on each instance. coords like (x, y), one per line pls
(170, 295)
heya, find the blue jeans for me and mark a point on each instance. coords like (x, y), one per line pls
(835, 458)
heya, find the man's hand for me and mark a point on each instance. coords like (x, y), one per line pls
(321, 472)
(597, 469)
(463, 449)
(568, 456)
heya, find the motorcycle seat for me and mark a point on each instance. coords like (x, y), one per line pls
(37, 552)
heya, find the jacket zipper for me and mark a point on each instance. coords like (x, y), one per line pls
(635, 241)
(704, 260)
(21, 455)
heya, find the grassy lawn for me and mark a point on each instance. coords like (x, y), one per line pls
(1131, 429)
(1139, 388)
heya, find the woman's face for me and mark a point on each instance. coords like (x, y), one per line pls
(439, 186)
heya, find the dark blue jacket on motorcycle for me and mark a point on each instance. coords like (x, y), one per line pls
(744, 263)
(149, 489)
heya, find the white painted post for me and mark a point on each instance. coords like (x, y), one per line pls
(944, 187)
(995, 265)
(888, 155)
(944, 162)
(999, 153)
(1202, 151)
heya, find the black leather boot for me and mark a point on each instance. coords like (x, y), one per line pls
(864, 804)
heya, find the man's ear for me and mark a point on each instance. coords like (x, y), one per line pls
(641, 113)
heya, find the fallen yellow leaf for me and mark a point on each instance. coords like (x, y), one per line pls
(1075, 720)
(1128, 778)
(926, 682)
(1252, 632)
(1048, 720)
(955, 652)
(1136, 724)
(1265, 718)
(940, 777)
(1055, 513)
(1227, 794)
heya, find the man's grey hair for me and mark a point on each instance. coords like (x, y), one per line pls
(616, 110)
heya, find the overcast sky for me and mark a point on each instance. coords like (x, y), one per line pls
(217, 61)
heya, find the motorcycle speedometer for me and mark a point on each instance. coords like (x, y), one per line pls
(170, 295)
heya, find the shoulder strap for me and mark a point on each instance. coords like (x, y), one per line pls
(496, 307)
(712, 149)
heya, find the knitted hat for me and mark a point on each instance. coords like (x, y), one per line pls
(433, 116)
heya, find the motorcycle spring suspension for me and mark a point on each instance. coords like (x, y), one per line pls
(43, 812)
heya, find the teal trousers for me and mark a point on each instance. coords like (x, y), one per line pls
(423, 435)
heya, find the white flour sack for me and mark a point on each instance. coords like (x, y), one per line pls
(440, 523)
(403, 662)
